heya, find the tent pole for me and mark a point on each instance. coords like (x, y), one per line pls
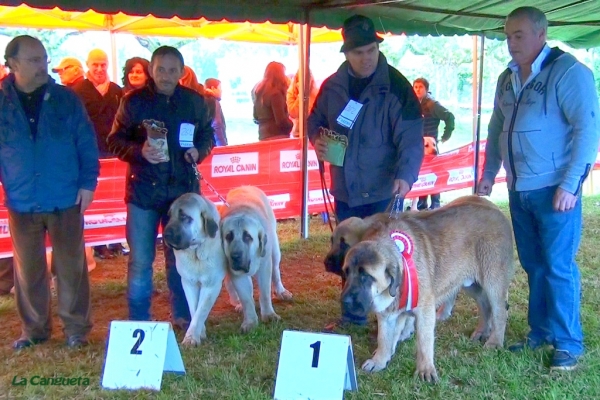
(304, 49)
(113, 56)
(478, 129)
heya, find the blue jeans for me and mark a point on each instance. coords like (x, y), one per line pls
(142, 229)
(547, 242)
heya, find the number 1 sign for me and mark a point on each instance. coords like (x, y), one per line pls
(138, 353)
(315, 366)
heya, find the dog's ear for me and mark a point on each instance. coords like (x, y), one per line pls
(210, 226)
(262, 244)
(394, 279)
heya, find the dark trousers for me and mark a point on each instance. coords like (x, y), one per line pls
(7, 275)
(28, 233)
(435, 202)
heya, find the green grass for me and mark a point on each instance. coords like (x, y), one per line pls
(230, 365)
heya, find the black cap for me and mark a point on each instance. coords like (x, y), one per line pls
(358, 31)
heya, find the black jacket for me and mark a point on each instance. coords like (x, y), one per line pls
(101, 109)
(155, 186)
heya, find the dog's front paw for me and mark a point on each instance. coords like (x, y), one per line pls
(284, 295)
(248, 325)
(189, 341)
(270, 317)
(492, 344)
(480, 335)
(427, 373)
(372, 365)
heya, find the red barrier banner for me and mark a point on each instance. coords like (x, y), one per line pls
(274, 166)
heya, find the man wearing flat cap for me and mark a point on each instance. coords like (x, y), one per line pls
(374, 106)
(70, 71)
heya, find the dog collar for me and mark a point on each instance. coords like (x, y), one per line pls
(410, 280)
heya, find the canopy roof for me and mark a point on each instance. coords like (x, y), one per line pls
(287, 33)
(575, 22)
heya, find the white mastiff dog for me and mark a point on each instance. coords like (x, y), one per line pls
(249, 232)
(192, 232)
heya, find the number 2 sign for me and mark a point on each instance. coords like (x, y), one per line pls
(314, 366)
(138, 353)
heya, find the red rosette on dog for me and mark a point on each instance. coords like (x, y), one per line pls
(409, 298)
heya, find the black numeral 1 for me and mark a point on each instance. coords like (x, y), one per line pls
(316, 346)
(140, 334)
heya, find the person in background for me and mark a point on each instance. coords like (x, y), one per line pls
(101, 99)
(213, 92)
(384, 131)
(49, 172)
(433, 114)
(190, 80)
(270, 109)
(544, 129)
(293, 100)
(70, 71)
(153, 183)
(135, 74)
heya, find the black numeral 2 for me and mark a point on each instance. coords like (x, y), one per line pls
(316, 346)
(140, 334)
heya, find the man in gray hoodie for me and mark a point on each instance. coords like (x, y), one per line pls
(545, 130)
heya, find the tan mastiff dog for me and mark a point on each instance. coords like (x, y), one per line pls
(465, 243)
(249, 235)
(192, 232)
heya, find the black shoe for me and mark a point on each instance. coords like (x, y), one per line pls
(24, 342)
(526, 344)
(562, 360)
(76, 341)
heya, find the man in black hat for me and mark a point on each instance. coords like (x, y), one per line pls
(374, 106)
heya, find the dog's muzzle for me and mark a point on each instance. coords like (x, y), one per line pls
(174, 239)
(356, 301)
(238, 263)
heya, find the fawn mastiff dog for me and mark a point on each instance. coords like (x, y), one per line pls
(465, 243)
(249, 236)
(192, 232)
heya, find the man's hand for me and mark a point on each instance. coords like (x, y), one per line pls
(320, 148)
(484, 188)
(84, 199)
(152, 154)
(191, 155)
(401, 187)
(563, 200)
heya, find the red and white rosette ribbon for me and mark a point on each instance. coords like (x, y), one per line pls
(410, 280)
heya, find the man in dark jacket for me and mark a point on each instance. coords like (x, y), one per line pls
(153, 182)
(100, 97)
(49, 169)
(433, 114)
(374, 106)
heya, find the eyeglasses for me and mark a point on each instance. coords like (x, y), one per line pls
(36, 60)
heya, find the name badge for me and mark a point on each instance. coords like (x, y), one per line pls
(186, 135)
(349, 114)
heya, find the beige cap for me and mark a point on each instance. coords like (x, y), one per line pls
(67, 62)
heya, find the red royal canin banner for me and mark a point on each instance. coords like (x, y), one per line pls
(273, 166)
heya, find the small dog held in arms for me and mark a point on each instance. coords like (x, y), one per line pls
(409, 265)
(193, 233)
(249, 236)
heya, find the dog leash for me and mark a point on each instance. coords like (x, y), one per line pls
(396, 206)
(211, 187)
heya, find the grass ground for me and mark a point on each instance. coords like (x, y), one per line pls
(230, 365)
